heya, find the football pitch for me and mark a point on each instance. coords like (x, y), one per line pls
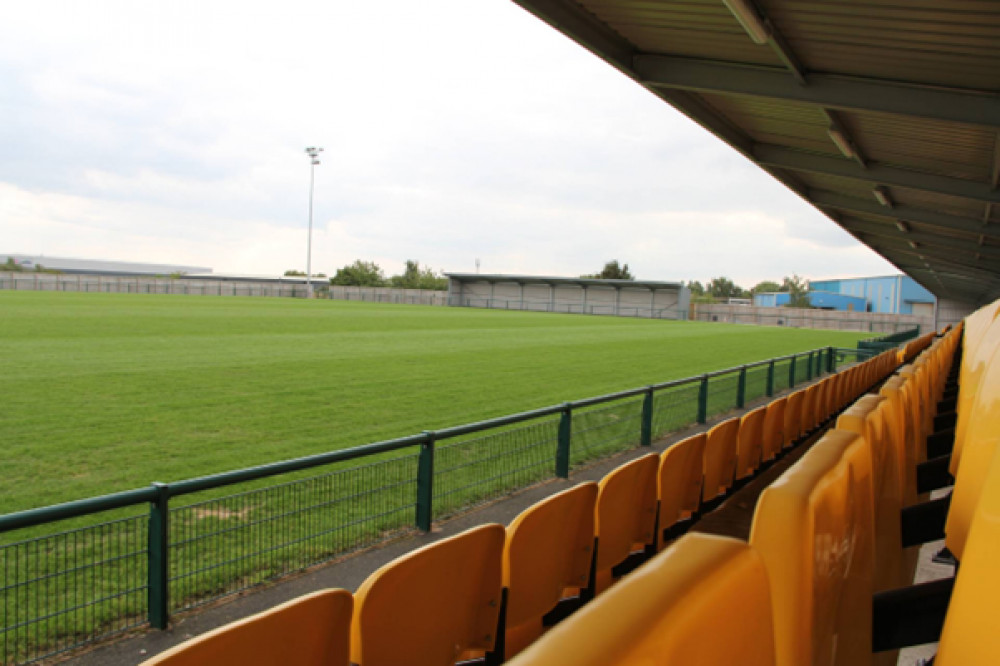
(106, 392)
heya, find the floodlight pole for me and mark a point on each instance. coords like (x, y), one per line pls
(313, 153)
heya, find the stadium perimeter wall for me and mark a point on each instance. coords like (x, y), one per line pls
(124, 284)
(872, 322)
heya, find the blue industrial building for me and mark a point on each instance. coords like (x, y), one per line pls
(890, 294)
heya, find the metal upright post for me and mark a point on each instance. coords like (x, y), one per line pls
(563, 443)
(425, 484)
(157, 553)
(313, 153)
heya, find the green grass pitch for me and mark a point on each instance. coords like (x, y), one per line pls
(108, 392)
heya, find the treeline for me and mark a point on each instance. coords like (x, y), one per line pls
(370, 274)
(721, 289)
(11, 266)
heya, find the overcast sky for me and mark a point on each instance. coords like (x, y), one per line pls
(454, 130)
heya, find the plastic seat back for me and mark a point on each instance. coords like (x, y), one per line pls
(793, 417)
(866, 418)
(720, 458)
(625, 514)
(806, 530)
(899, 436)
(548, 553)
(981, 440)
(679, 481)
(432, 606)
(982, 338)
(970, 636)
(313, 629)
(810, 417)
(704, 600)
(774, 429)
(750, 443)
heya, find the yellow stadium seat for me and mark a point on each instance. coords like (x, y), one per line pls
(809, 529)
(547, 555)
(982, 339)
(970, 636)
(750, 443)
(774, 430)
(809, 418)
(828, 388)
(898, 429)
(679, 483)
(434, 606)
(720, 458)
(705, 600)
(625, 516)
(313, 629)
(866, 419)
(981, 436)
(793, 417)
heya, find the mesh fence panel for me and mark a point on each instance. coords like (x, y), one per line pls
(722, 393)
(756, 383)
(223, 545)
(781, 374)
(674, 408)
(474, 470)
(606, 429)
(60, 591)
(802, 364)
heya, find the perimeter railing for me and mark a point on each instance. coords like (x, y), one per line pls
(79, 572)
(882, 343)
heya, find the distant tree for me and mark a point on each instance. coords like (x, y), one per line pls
(612, 271)
(766, 287)
(295, 273)
(415, 277)
(359, 274)
(12, 266)
(696, 288)
(798, 291)
(723, 287)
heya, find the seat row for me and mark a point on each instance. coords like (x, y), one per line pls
(490, 592)
(824, 578)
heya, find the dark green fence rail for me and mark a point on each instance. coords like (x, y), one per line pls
(110, 568)
(882, 343)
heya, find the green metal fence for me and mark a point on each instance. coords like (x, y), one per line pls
(882, 343)
(78, 572)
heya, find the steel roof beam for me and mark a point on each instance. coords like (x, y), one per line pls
(798, 160)
(840, 202)
(921, 239)
(937, 261)
(849, 93)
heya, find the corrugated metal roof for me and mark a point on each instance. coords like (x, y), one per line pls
(913, 86)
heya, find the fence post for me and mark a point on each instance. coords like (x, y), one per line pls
(647, 418)
(703, 400)
(741, 388)
(770, 378)
(562, 446)
(791, 372)
(809, 368)
(831, 360)
(157, 554)
(425, 483)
